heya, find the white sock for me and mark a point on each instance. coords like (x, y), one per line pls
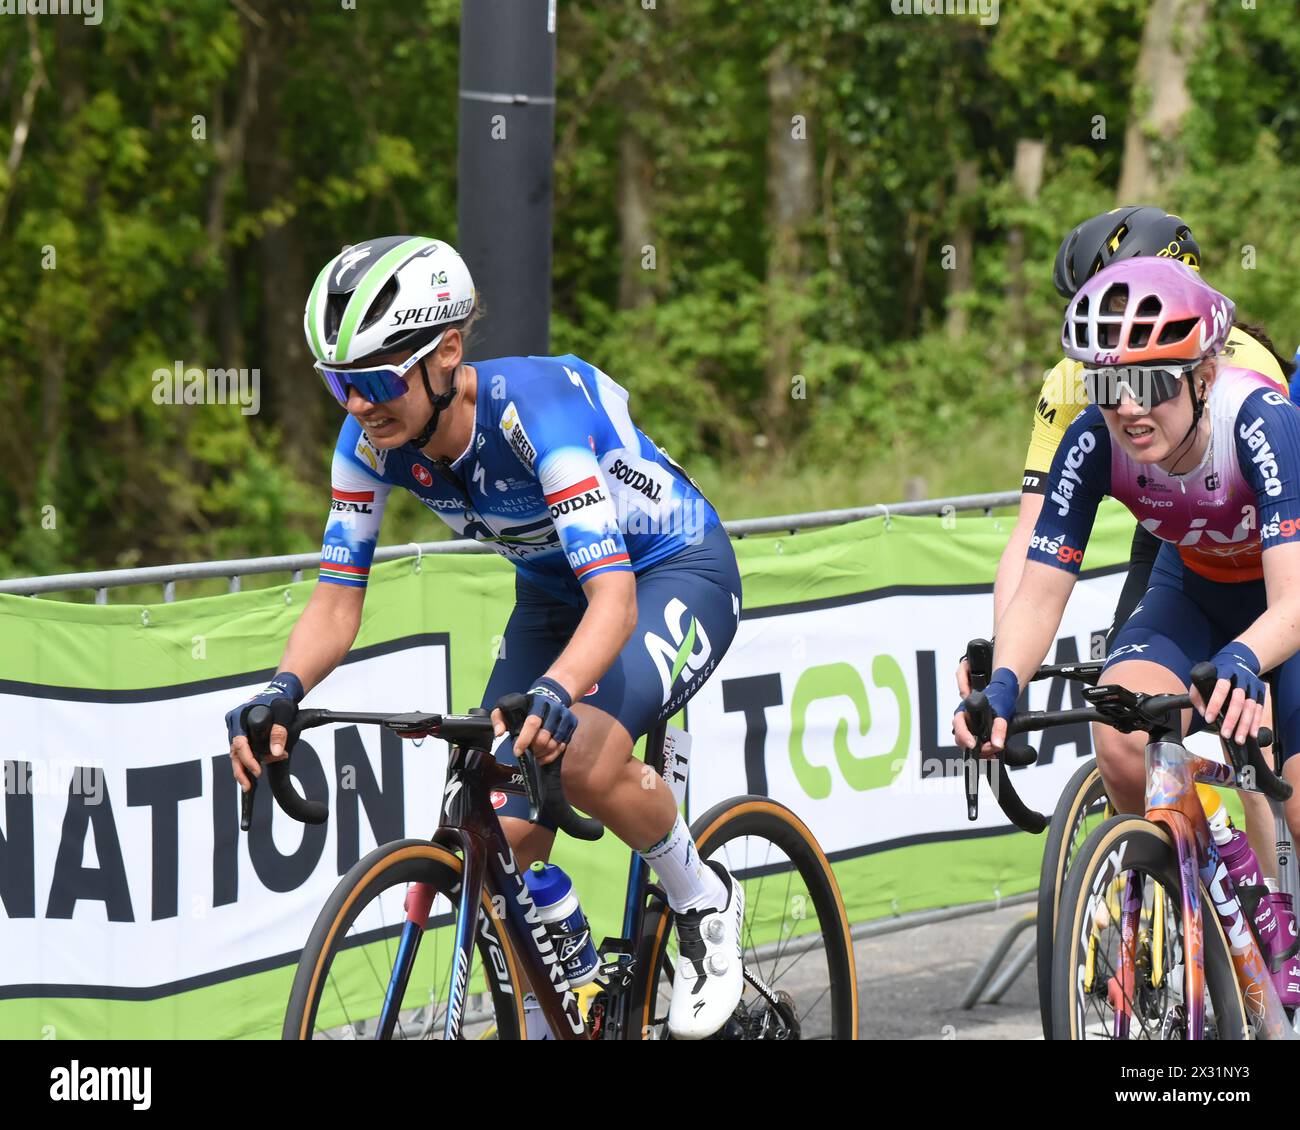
(688, 881)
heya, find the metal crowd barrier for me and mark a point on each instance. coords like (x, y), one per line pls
(296, 564)
(235, 570)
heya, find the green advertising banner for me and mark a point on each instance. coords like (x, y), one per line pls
(133, 906)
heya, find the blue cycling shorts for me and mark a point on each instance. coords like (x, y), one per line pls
(1185, 619)
(688, 608)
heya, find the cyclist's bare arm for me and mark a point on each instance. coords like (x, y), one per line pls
(1025, 634)
(1011, 566)
(604, 629)
(318, 643)
(324, 633)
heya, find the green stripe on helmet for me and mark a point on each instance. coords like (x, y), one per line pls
(363, 295)
(315, 316)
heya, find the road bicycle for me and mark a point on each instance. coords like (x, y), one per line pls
(1135, 957)
(391, 955)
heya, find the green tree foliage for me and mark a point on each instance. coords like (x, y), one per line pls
(171, 180)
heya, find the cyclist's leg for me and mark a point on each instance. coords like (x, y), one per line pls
(538, 628)
(1286, 743)
(1233, 608)
(1142, 556)
(687, 611)
(1155, 651)
(1255, 806)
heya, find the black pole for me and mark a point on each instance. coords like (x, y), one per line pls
(507, 126)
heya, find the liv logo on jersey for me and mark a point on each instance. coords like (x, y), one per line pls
(689, 648)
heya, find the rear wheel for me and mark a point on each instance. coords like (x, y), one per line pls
(1083, 806)
(345, 969)
(796, 941)
(1093, 998)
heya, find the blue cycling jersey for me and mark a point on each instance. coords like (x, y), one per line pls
(555, 477)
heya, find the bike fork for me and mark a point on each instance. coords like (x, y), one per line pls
(1193, 931)
(1130, 913)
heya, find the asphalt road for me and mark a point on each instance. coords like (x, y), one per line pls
(911, 982)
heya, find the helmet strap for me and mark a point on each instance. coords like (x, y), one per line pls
(1198, 410)
(440, 403)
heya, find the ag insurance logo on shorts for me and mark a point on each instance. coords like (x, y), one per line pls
(123, 873)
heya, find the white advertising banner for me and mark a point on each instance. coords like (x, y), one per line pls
(123, 866)
(841, 710)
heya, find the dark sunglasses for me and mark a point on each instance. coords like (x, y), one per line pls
(376, 384)
(1146, 385)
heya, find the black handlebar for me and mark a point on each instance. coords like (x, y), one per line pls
(542, 783)
(1115, 706)
(1204, 678)
(979, 654)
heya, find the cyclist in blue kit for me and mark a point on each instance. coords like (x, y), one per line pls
(627, 589)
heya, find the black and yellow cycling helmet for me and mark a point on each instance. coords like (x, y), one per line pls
(1122, 233)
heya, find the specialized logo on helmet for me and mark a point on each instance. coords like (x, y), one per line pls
(349, 260)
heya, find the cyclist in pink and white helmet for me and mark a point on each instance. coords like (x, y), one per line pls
(1215, 476)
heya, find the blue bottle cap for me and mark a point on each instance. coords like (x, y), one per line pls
(547, 883)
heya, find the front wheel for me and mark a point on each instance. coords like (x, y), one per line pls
(346, 970)
(1083, 805)
(1095, 994)
(795, 941)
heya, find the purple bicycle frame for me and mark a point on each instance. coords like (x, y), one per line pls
(1172, 802)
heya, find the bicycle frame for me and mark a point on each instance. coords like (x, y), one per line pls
(469, 826)
(1172, 802)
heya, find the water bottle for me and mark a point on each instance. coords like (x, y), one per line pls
(557, 906)
(1243, 867)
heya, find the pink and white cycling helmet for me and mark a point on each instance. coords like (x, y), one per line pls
(1144, 311)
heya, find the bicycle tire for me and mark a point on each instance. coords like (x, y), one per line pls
(758, 817)
(1145, 847)
(1084, 788)
(402, 861)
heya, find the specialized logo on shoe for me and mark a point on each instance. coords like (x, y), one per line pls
(689, 649)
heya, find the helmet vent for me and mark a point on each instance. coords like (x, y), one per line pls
(1175, 332)
(383, 300)
(1149, 307)
(335, 304)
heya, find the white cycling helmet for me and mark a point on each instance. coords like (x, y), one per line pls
(397, 292)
